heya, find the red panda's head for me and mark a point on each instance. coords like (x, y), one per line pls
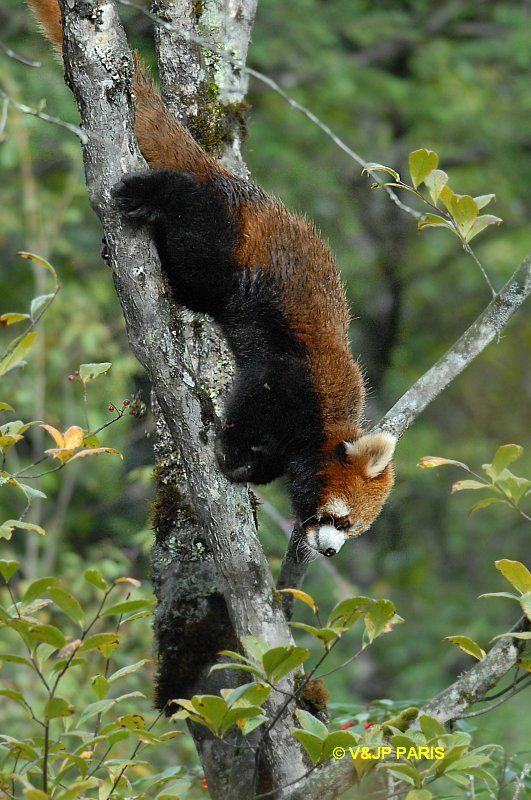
(358, 476)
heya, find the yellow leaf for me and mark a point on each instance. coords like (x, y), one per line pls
(73, 437)
(55, 434)
(94, 451)
(300, 595)
(468, 645)
(61, 453)
(429, 462)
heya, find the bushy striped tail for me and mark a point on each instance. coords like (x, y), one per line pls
(162, 139)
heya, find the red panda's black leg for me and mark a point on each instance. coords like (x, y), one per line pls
(192, 231)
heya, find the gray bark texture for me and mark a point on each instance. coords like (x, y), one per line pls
(210, 573)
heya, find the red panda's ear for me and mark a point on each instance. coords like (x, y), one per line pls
(377, 448)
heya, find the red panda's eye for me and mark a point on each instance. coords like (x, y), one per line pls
(343, 526)
(326, 521)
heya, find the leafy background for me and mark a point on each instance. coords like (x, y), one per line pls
(388, 78)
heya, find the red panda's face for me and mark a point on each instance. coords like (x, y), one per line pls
(357, 479)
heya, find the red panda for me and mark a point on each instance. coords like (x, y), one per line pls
(266, 277)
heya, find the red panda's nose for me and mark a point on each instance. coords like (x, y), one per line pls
(330, 552)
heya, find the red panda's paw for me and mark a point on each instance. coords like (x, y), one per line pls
(135, 195)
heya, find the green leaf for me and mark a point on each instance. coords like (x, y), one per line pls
(406, 772)
(120, 673)
(239, 715)
(311, 724)
(419, 794)
(325, 635)
(68, 604)
(251, 724)
(129, 605)
(102, 706)
(338, 739)
(38, 302)
(77, 789)
(258, 672)
(512, 486)
(467, 762)
(421, 163)
(459, 486)
(37, 588)
(254, 647)
(481, 223)
(6, 407)
(43, 263)
(525, 602)
(378, 617)
(431, 727)
(132, 722)
(36, 794)
(464, 211)
(516, 573)
(100, 686)
(8, 567)
(484, 199)
(468, 645)
(48, 634)
(7, 527)
(100, 641)
(280, 661)
(87, 372)
(15, 659)
(15, 354)
(94, 577)
(32, 494)
(489, 501)
(18, 748)
(18, 697)
(373, 167)
(434, 221)
(505, 455)
(212, 709)
(500, 594)
(249, 694)
(345, 613)
(58, 707)
(311, 743)
(434, 183)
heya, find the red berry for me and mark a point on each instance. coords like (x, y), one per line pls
(346, 726)
(112, 408)
(71, 377)
(127, 403)
(368, 725)
(204, 784)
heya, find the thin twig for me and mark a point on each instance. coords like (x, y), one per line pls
(17, 57)
(35, 112)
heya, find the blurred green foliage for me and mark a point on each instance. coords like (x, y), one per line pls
(388, 78)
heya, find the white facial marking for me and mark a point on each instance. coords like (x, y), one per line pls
(329, 538)
(336, 507)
